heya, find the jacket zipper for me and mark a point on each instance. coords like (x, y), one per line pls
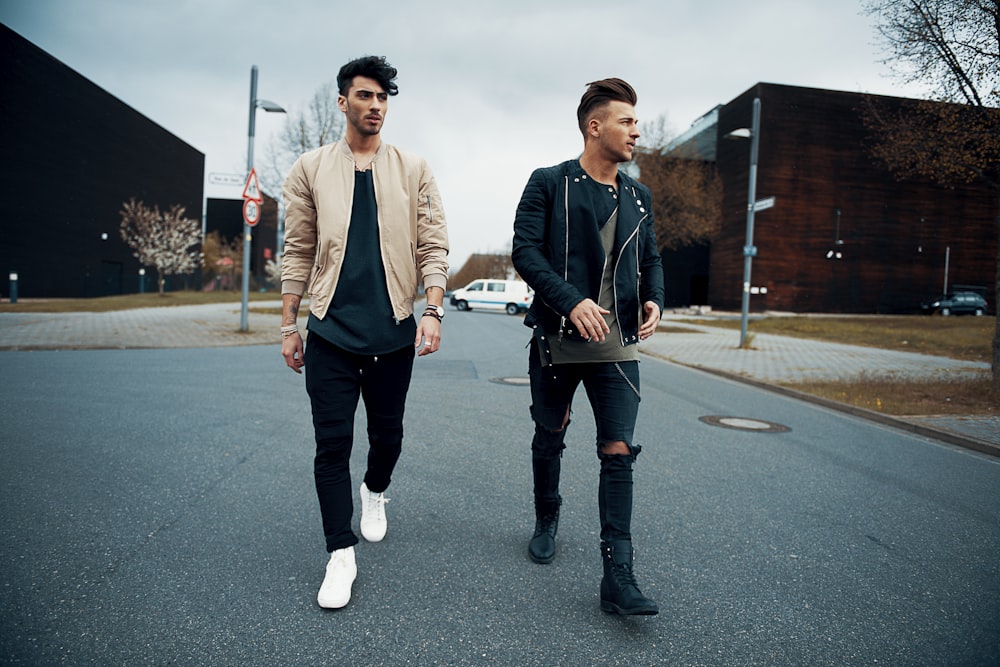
(562, 318)
(614, 281)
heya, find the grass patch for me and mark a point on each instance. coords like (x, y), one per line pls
(911, 397)
(105, 304)
(966, 338)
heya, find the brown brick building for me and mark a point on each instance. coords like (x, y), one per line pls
(896, 239)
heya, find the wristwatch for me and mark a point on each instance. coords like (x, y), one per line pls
(434, 311)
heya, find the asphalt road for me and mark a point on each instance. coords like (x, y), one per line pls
(158, 509)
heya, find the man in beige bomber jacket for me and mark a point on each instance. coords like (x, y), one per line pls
(363, 226)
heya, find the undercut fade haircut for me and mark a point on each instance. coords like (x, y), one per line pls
(371, 67)
(599, 94)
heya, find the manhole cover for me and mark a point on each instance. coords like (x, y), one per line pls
(515, 381)
(745, 424)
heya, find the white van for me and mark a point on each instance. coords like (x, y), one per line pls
(512, 296)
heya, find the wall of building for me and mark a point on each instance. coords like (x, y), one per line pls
(72, 154)
(895, 234)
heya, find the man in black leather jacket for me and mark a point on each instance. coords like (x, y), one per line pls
(584, 241)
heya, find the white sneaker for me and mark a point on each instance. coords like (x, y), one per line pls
(373, 521)
(340, 574)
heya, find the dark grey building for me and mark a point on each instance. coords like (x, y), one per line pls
(72, 154)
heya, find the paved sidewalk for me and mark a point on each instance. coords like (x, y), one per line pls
(774, 359)
(210, 325)
(784, 359)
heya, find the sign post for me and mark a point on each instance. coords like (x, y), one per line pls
(252, 200)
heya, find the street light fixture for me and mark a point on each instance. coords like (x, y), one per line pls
(255, 104)
(753, 133)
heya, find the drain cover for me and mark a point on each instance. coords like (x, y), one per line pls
(745, 424)
(515, 381)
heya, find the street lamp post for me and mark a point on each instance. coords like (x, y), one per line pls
(247, 234)
(748, 249)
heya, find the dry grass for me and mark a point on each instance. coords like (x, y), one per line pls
(901, 397)
(966, 338)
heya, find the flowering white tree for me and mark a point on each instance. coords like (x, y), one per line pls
(167, 241)
(273, 270)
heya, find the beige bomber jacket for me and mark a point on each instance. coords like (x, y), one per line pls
(413, 234)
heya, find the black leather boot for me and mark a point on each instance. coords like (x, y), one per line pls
(542, 547)
(546, 464)
(619, 592)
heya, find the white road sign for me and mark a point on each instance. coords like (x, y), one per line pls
(762, 204)
(216, 178)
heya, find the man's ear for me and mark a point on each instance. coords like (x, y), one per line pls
(342, 103)
(594, 128)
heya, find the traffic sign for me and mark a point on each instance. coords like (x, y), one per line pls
(251, 190)
(251, 212)
(760, 204)
(216, 178)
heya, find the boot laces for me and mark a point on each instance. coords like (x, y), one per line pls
(624, 575)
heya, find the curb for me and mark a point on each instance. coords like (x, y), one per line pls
(950, 437)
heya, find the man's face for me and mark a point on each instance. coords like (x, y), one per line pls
(618, 131)
(365, 105)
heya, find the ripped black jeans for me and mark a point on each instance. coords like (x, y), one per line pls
(613, 391)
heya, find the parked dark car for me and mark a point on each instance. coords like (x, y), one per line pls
(957, 303)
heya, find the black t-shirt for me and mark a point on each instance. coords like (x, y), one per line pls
(360, 318)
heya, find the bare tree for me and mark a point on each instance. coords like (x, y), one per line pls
(167, 241)
(687, 198)
(952, 47)
(687, 193)
(655, 134)
(484, 265)
(320, 123)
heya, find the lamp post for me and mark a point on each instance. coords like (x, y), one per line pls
(255, 104)
(748, 249)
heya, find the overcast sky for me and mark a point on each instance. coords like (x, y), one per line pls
(488, 90)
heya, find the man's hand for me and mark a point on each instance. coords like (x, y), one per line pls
(651, 322)
(291, 350)
(428, 335)
(291, 345)
(589, 320)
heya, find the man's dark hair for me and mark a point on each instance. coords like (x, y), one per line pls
(600, 93)
(372, 67)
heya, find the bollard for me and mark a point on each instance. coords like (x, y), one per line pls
(13, 287)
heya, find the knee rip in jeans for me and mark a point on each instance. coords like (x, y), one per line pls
(558, 430)
(617, 448)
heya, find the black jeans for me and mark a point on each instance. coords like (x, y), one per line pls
(612, 387)
(335, 379)
(613, 390)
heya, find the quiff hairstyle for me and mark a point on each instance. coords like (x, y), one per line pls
(599, 94)
(370, 67)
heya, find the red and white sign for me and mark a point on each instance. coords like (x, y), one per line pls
(251, 189)
(251, 212)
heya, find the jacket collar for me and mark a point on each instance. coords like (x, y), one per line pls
(344, 149)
